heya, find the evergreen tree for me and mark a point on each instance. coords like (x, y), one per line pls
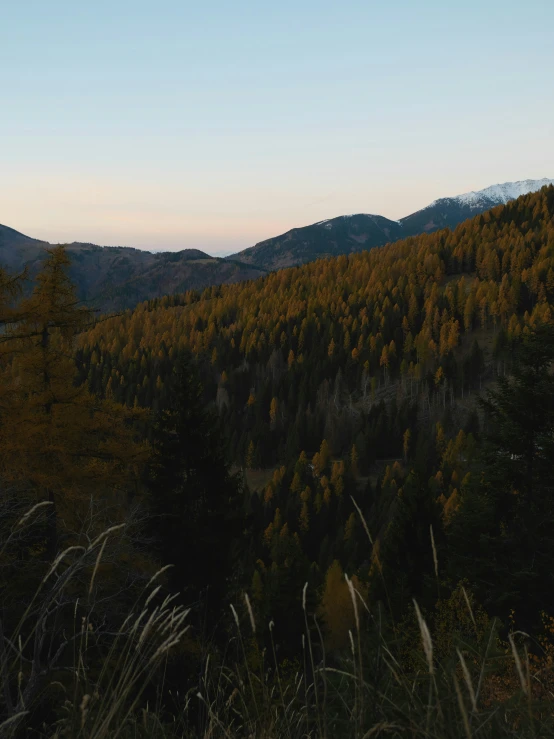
(197, 504)
(503, 536)
(406, 553)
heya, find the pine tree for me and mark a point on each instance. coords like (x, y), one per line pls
(503, 533)
(197, 505)
(406, 552)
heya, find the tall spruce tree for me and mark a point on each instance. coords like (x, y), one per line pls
(503, 536)
(197, 505)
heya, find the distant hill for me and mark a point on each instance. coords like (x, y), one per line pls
(335, 236)
(348, 234)
(119, 277)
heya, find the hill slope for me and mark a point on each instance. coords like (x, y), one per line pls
(347, 234)
(353, 376)
(342, 235)
(119, 277)
(396, 315)
(116, 278)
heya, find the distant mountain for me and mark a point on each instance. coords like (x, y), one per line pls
(16, 248)
(119, 277)
(448, 212)
(335, 236)
(347, 234)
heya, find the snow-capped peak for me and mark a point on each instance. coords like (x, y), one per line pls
(498, 194)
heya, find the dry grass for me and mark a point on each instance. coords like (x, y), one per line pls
(248, 693)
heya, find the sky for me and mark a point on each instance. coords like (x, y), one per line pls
(217, 124)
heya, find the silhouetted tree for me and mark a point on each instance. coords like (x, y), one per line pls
(504, 533)
(197, 504)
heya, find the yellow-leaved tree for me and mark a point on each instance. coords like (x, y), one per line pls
(337, 609)
(57, 440)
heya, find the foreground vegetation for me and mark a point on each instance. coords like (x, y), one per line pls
(393, 576)
(69, 670)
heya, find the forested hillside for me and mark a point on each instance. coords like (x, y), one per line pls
(307, 353)
(112, 278)
(318, 504)
(349, 376)
(118, 277)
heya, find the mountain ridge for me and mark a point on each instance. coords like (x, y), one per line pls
(111, 278)
(118, 277)
(358, 231)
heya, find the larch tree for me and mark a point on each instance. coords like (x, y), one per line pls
(336, 608)
(57, 439)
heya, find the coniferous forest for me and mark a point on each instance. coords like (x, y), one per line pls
(315, 504)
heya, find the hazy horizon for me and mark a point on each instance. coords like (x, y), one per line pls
(227, 251)
(178, 126)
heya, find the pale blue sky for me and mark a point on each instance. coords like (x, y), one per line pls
(217, 124)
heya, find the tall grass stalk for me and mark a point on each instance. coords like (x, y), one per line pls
(371, 689)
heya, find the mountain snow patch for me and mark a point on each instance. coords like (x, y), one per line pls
(496, 194)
